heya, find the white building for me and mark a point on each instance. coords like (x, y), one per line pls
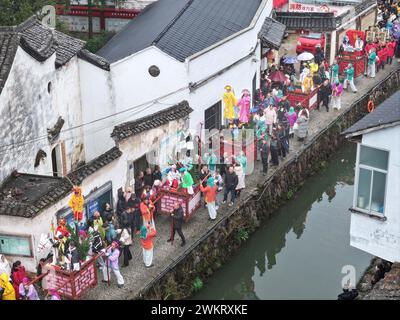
(375, 217)
(189, 50)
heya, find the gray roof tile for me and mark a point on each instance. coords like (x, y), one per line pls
(181, 28)
(272, 33)
(388, 112)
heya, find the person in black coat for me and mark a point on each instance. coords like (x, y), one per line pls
(139, 184)
(148, 178)
(325, 91)
(73, 255)
(107, 213)
(264, 152)
(157, 174)
(177, 217)
(230, 182)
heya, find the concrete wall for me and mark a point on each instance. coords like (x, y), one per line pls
(27, 109)
(382, 238)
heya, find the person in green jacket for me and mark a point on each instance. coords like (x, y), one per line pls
(187, 180)
(349, 71)
(334, 72)
(371, 64)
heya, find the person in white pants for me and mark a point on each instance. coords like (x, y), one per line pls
(210, 197)
(349, 71)
(147, 233)
(112, 255)
(337, 90)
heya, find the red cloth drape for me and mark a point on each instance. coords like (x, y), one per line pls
(279, 3)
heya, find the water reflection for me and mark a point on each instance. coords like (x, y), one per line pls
(255, 269)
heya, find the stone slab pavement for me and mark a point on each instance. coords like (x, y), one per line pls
(137, 276)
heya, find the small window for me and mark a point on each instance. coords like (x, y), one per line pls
(154, 71)
(371, 184)
(49, 87)
(16, 245)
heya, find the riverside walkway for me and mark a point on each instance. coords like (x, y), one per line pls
(166, 255)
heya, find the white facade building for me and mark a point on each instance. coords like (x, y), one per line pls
(375, 217)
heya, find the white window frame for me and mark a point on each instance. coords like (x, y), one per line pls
(356, 181)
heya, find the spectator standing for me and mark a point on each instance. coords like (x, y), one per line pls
(230, 182)
(177, 217)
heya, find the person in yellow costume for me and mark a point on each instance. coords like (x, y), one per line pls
(230, 102)
(313, 68)
(76, 203)
(7, 289)
(308, 83)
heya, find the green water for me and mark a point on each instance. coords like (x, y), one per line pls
(298, 254)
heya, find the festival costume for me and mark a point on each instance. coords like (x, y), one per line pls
(9, 292)
(230, 102)
(146, 240)
(76, 203)
(244, 104)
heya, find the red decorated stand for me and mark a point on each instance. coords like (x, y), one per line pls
(356, 58)
(307, 100)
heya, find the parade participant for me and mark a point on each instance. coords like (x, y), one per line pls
(230, 102)
(139, 184)
(230, 182)
(210, 196)
(270, 116)
(346, 42)
(241, 179)
(96, 244)
(54, 294)
(304, 73)
(111, 233)
(98, 221)
(61, 229)
(27, 291)
(371, 64)
(18, 273)
(359, 44)
(242, 160)
(349, 71)
(391, 49)
(177, 218)
(244, 104)
(382, 54)
(274, 149)
(291, 117)
(337, 90)
(187, 181)
(7, 291)
(157, 173)
(76, 203)
(173, 177)
(325, 92)
(125, 240)
(112, 254)
(308, 84)
(313, 67)
(368, 47)
(4, 265)
(264, 151)
(334, 72)
(62, 244)
(319, 55)
(148, 178)
(73, 256)
(211, 160)
(146, 209)
(146, 239)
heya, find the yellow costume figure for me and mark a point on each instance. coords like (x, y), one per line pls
(9, 292)
(230, 101)
(76, 203)
(313, 68)
(308, 84)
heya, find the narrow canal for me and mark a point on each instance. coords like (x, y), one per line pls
(300, 252)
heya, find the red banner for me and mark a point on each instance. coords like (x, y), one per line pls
(353, 34)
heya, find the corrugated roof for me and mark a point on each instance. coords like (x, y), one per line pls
(386, 113)
(181, 28)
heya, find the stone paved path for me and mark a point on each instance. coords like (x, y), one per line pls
(137, 276)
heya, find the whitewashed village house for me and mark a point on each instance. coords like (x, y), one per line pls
(375, 217)
(106, 113)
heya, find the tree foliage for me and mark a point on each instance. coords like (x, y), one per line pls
(13, 12)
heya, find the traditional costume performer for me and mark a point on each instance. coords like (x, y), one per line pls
(61, 229)
(27, 292)
(244, 104)
(7, 288)
(173, 177)
(187, 181)
(146, 239)
(308, 84)
(230, 102)
(76, 203)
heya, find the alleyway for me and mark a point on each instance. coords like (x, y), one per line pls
(165, 254)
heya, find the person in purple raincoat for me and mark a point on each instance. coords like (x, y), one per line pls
(27, 291)
(291, 117)
(112, 255)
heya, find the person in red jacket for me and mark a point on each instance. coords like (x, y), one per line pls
(146, 239)
(18, 273)
(210, 192)
(383, 56)
(391, 47)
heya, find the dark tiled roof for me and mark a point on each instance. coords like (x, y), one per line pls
(94, 59)
(308, 21)
(387, 113)
(181, 28)
(42, 42)
(9, 41)
(272, 33)
(26, 195)
(135, 127)
(364, 5)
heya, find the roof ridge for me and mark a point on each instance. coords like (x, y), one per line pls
(172, 22)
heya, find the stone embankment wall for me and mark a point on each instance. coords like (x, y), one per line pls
(216, 247)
